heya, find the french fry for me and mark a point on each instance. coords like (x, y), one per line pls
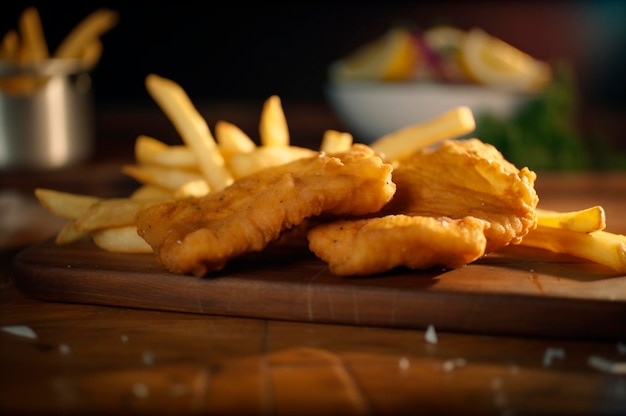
(146, 147)
(113, 212)
(69, 234)
(121, 240)
(177, 156)
(193, 129)
(196, 188)
(273, 129)
(334, 141)
(164, 177)
(150, 151)
(65, 204)
(231, 139)
(584, 221)
(9, 52)
(147, 191)
(243, 164)
(400, 144)
(9, 49)
(28, 48)
(85, 33)
(34, 45)
(599, 246)
(92, 53)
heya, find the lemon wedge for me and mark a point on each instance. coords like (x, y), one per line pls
(491, 61)
(391, 57)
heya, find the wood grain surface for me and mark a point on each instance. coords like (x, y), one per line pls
(516, 291)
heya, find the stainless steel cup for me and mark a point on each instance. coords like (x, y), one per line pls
(48, 122)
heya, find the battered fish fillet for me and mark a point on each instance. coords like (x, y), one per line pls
(453, 204)
(464, 178)
(376, 245)
(200, 235)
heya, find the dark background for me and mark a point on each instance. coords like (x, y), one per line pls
(234, 50)
(223, 52)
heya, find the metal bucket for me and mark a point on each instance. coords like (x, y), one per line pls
(47, 121)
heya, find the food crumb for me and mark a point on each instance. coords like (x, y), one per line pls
(496, 384)
(404, 363)
(141, 390)
(606, 365)
(64, 349)
(20, 330)
(552, 353)
(450, 365)
(431, 335)
(447, 366)
(148, 358)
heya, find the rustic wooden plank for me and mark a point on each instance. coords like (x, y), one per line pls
(518, 291)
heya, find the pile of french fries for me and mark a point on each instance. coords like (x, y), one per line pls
(581, 234)
(26, 47)
(205, 163)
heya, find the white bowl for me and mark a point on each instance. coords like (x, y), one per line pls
(372, 109)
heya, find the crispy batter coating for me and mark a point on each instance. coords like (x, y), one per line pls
(468, 178)
(376, 245)
(200, 235)
(453, 204)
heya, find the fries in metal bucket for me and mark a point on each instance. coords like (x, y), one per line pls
(85, 33)
(34, 45)
(27, 48)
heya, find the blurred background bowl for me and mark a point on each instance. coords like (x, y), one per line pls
(371, 109)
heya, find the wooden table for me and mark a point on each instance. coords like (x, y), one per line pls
(88, 359)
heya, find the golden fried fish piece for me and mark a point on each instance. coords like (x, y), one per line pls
(453, 204)
(200, 235)
(463, 178)
(379, 244)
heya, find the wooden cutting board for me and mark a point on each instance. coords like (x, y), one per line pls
(517, 291)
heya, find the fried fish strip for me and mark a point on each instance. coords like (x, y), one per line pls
(356, 247)
(200, 235)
